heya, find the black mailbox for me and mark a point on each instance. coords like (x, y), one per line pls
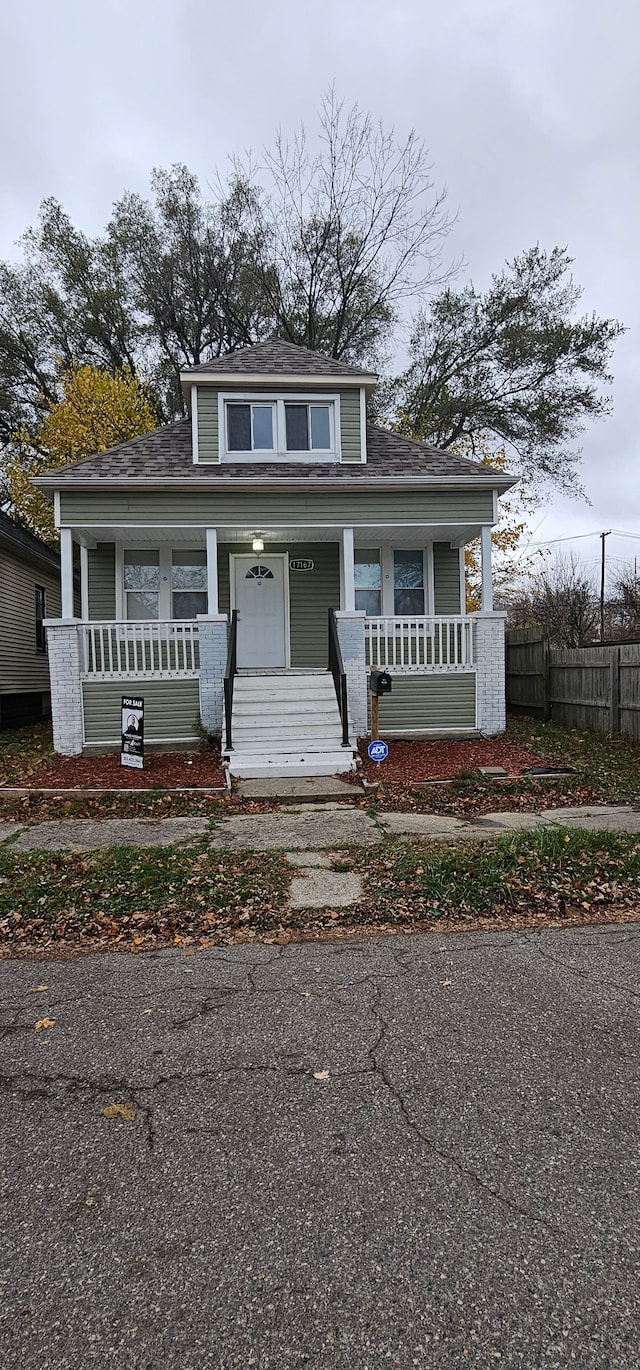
(380, 683)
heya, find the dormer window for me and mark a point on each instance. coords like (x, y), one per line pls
(279, 428)
(250, 427)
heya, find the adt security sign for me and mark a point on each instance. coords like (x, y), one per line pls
(378, 751)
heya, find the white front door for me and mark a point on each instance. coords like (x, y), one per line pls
(259, 593)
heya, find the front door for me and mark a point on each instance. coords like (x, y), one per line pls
(259, 594)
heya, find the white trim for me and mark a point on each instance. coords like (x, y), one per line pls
(363, 425)
(485, 569)
(266, 555)
(431, 580)
(279, 452)
(56, 508)
(195, 448)
(125, 529)
(212, 571)
(66, 573)
(463, 582)
(156, 483)
(496, 513)
(349, 601)
(84, 582)
(282, 378)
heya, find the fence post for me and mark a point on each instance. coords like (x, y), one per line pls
(546, 679)
(614, 689)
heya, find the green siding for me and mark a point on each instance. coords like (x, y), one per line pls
(312, 594)
(208, 449)
(207, 424)
(171, 709)
(102, 581)
(446, 578)
(350, 425)
(22, 668)
(273, 508)
(429, 703)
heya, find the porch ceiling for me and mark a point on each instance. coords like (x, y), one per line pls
(364, 536)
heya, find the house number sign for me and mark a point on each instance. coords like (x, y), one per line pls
(300, 564)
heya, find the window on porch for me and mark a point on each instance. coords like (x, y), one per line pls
(164, 583)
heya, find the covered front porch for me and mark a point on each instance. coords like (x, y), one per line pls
(157, 603)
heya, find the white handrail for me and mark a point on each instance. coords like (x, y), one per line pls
(162, 650)
(408, 644)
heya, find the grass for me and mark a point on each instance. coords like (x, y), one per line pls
(611, 765)
(553, 870)
(193, 895)
(173, 893)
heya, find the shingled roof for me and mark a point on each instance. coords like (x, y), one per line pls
(278, 358)
(24, 544)
(165, 455)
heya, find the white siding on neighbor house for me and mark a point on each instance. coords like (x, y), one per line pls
(22, 668)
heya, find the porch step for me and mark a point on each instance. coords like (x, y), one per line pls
(257, 765)
(287, 724)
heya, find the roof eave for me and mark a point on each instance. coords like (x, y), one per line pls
(368, 380)
(501, 483)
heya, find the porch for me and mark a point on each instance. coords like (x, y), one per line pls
(282, 588)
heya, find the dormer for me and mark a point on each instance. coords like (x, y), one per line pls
(276, 403)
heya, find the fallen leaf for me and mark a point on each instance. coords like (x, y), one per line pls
(446, 982)
(45, 1023)
(37, 989)
(126, 1111)
(321, 1074)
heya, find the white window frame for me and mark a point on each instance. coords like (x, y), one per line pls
(278, 400)
(165, 594)
(386, 551)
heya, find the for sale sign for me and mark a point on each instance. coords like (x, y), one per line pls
(132, 749)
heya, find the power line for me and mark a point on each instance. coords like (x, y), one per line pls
(575, 537)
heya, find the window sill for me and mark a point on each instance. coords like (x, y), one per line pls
(281, 458)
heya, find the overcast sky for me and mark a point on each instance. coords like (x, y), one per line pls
(530, 109)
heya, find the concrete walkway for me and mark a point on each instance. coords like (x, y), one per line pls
(320, 828)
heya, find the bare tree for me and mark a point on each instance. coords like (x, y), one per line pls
(561, 601)
(624, 606)
(348, 232)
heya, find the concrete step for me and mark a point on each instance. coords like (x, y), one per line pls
(268, 708)
(281, 742)
(256, 766)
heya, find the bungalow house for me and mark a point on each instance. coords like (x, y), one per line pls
(249, 566)
(30, 590)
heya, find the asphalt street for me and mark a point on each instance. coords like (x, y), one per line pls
(414, 1151)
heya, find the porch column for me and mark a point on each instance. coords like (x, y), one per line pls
(487, 582)
(348, 571)
(66, 571)
(212, 646)
(489, 656)
(63, 649)
(84, 582)
(212, 571)
(350, 626)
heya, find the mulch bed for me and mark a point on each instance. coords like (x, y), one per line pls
(161, 770)
(410, 762)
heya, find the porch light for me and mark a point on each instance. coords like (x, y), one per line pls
(257, 545)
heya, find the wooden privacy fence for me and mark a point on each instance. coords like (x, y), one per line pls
(588, 687)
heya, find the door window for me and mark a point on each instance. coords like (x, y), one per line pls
(188, 584)
(408, 583)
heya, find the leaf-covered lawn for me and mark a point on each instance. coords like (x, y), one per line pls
(131, 897)
(611, 765)
(23, 751)
(137, 894)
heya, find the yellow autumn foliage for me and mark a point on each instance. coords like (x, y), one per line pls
(96, 411)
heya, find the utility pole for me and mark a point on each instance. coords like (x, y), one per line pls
(602, 570)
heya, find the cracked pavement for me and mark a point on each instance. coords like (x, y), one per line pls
(460, 1188)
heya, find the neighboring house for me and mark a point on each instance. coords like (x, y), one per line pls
(273, 548)
(30, 591)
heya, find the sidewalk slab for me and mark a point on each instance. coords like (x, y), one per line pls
(306, 791)
(322, 889)
(341, 827)
(513, 822)
(309, 859)
(595, 818)
(9, 830)
(86, 834)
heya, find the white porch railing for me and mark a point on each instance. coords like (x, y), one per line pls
(162, 650)
(419, 644)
